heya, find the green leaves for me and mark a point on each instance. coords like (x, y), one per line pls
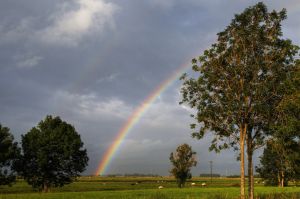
(240, 76)
(280, 162)
(283, 148)
(53, 154)
(182, 160)
(241, 81)
(9, 152)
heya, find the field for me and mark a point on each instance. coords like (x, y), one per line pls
(143, 188)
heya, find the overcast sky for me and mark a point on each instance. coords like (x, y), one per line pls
(92, 62)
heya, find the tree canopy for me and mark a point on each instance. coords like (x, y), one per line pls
(239, 83)
(281, 158)
(278, 165)
(182, 160)
(53, 154)
(9, 151)
(286, 120)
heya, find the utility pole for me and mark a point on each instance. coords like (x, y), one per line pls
(211, 167)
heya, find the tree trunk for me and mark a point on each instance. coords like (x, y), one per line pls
(242, 163)
(279, 179)
(180, 183)
(45, 187)
(282, 178)
(250, 167)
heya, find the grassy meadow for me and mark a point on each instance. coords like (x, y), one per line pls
(145, 188)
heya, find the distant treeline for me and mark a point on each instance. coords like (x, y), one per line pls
(132, 175)
(246, 176)
(208, 175)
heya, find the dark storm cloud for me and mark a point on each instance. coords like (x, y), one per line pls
(92, 62)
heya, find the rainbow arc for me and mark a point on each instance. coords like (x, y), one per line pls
(135, 117)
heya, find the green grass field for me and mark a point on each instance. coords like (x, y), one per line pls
(141, 188)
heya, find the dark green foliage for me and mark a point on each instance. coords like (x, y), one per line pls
(288, 111)
(271, 167)
(182, 160)
(239, 77)
(9, 151)
(53, 154)
(281, 159)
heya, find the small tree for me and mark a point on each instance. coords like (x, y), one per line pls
(8, 153)
(53, 154)
(182, 160)
(279, 165)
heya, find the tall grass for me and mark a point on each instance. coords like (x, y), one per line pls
(279, 196)
(147, 195)
(146, 188)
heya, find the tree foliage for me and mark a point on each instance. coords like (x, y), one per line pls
(240, 76)
(182, 160)
(286, 122)
(240, 82)
(53, 154)
(278, 168)
(280, 161)
(9, 151)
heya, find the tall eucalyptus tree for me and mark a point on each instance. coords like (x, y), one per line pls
(238, 83)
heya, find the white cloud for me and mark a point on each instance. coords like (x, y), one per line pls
(90, 107)
(27, 60)
(70, 25)
(161, 113)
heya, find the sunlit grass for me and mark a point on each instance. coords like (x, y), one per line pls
(209, 193)
(122, 183)
(145, 188)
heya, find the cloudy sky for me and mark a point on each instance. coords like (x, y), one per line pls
(93, 62)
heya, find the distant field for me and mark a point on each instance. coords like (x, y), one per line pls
(138, 187)
(123, 183)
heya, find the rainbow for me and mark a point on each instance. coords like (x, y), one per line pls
(140, 111)
(135, 117)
